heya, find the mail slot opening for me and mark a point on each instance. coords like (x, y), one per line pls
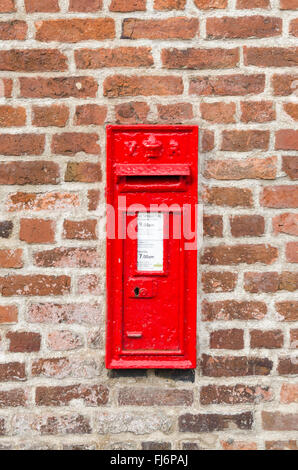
(151, 183)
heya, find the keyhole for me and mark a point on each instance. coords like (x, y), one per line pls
(137, 291)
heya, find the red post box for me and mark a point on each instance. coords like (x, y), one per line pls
(152, 187)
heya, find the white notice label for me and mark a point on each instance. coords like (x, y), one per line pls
(150, 241)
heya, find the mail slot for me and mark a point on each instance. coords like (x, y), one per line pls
(152, 187)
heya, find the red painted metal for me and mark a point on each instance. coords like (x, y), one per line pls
(151, 314)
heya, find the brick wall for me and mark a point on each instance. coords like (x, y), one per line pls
(69, 67)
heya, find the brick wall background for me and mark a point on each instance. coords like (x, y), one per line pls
(69, 67)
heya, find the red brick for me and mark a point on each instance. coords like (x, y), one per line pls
(244, 141)
(13, 398)
(169, 4)
(292, 252)
(12, 117)
(277, 421)
(170, 28)
(279, 196)
(291, 109)
(64, 340)
(294, 339)
(282, 445)
(208, 4)
(34, 6)
(219, 112)
(21, 144)
(257, 111)
(271, 56)
(40, 201)
(131, 112)
(86, 6)
(237, 254)
(233, 310)
(198, 423)
(213, 225)
(90, 284)
(33, 60)
(255, 282)
(11, 258)
(117, 57)
(13, 30)
(121, 85)
(289, 393)
(37, 231)
(287, 366)
(293, 28)
(8, 314)
(252, 4)
(94, 395)
(80, 230)
(175, 113)
(285, 223)
(21, 173)
(84, 172)
(286, 139)
(250, 168)
(288, 5)
(216, 281)
(290, 166)
(288, 281)
(75, 30)
(23, 341)
(192, 58)
(6, 85)
(227, 339)
(207, 142)
(247, 225)
(46, 116)
(93, 199)
(231, 197)
(68, 258)
(288, 310)
(7, 6)
(62, 367)
(81, 313)
(266, 339)
(12, 371)
(37, 284)
(154, 397)
(124, 6)
(234, 394)
(284, 85)
(225, 85)
(51, 424)
(243, 27)
(234, 366)
(58, 87)
(71, 143)
(90, 114)
(238, 445)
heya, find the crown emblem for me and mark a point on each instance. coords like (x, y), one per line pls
(153, 146)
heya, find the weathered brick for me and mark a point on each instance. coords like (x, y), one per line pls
(64, 340)
(87, 6)
(243, 27)
(33, 60)
(175, 113)
(216, 58)
(257, 111)
(90, 284)
(219, 112)
(154, 445)
(284, 85)
(22, 144)
(269, 339)
(213, 225)
(40, 201)
(154, 397)
(208, 4)
(58, 87)
(244, 141)
(271, 56)
(285, 223)
(290, 166)
(80, 313)
(6, 227)
(286, 139)
(6, 85)
(35, 6)
(261, 282)
(7, 6)
(114, 422)
(227, 85)
(34, 285)
(236, 254)
(170, 28)
(288, 310)
(71, 143)
(291, 109)
(13, 398)
(94, 395)
(216, 281)
(227, 339)
(289, 393)
(75, 30)
(250, 168)
(231, 197)
(288, 281)
(169, 4)
(93, 199)
(68, 258)
(84, 172)
(121, 85)
(12, 371)
(277, 421)
(133, 112)
(117, 57)
(50, 424)
(251, 4)
(279, 197)
(12, 117)
(80, 230)
(247, 225)
(238, 445)
(234, 394)
(90, 114)
(282, 445)
(63, 367)
(207, 142)
(287, 366)
(214, 422)
(233, 310)
(46, 116)
(288, 5)
(294, 338)
(13, 30)
(124, 6)
(234, 366)
(11, 258)
(22, 173)
(23, 341)
(292, 252)
(8, 314)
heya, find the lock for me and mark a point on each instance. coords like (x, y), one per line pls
(152, 177)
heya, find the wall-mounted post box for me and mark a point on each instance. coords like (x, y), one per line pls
(152, 187)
